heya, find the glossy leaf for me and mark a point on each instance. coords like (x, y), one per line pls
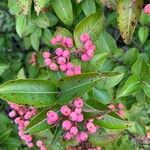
(93, 24)
(38, 123)
(128, 16)
(37, 93)
(143, 34)
(76, 86)
(63, 9)
(146, 86)
(131, 86)
(110, 122)
(3, 68)
(106, 43)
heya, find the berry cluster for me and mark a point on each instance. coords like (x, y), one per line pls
(71, 116)
(147, 9)
(61, 59)
(119, 108)
(21, 115)
(33, 59)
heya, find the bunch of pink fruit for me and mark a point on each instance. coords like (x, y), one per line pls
(71, 117)
(61, 60)
(119, 108)
(21, 115)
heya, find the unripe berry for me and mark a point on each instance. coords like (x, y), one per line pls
(121, 113)
(65, 110)
(120, 106)
(112, 107)
(66, 125)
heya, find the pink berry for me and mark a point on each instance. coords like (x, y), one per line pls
(88, 45)
(61, 60)
(39, 143)
(63, 67)
(59, 51)
(85, 57)
(80, 118)
(28, 138)
(148, 135)
(77, 70)
(12, 114)
(28, 115)
(65, 110)
(46, 55)
(98, 148)
(84, 37)
(66, 53)
(69, 72)
(58, 38)
(90, 53)
(68, 136)
(74, 130)
(53, 116)
(53, 41)
(121, 113)
(78, 103)
(91, 127)
(78, 110)
(120, 106)
(43, 148)
(83, 136)
(112, 107)
(66, 125)
(53, 67)
(47, 61)
(69, 42)
(73, 116)
(50, 122)
(70, 66)
(30, 145)
(147, 9)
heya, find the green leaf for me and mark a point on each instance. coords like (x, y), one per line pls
(128, 16)
(102, 95)
(62, 31)
(35, 38)
(144, 18)
(102, 139)
(111, 122)
(63, 9)
(13, 7)
(93, 24)
(38, 123)
(96, 104)
(113, 79)
(76, 86)
(21, 23)
(39, 5)
(5, 134)
(42, 21)
(38, 93)
(131, 56)
(140, 68)
(3, 68)
(143, 34)
(106, 43)
(88, 7)
(146, 86)
(109, 3)
(131, 86)
(46, 36)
